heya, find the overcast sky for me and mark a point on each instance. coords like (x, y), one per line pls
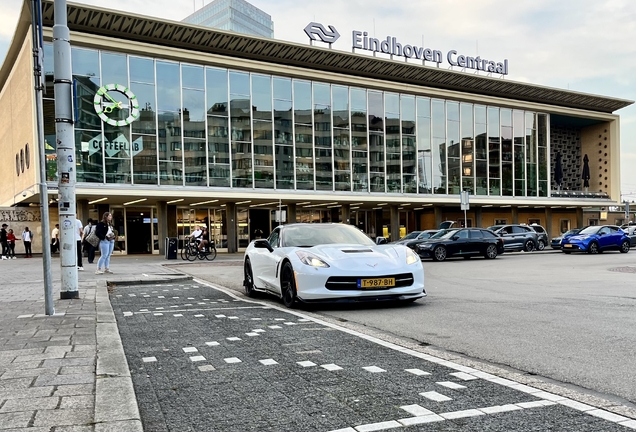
(582, 45)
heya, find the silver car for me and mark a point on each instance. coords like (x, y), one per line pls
(517, 238)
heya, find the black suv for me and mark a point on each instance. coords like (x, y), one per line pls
(543, 236)
(517, 238)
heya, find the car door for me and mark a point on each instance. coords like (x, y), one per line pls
(459, 244)
(477, 242)
(604, 238)
(264, 262)
(510, 241)
(614, 237)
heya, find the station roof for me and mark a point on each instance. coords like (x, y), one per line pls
(118, 24)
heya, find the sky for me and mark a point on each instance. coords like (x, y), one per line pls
(581, 45)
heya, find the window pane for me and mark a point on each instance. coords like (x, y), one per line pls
(392, 103)
(170, 173)
(376, 112)
(145, 94)
(304, 158)
(194, 157)
(282, 89)
(240, 120)
(169, 137)
(324, 169)
(218, 151)
(192, 77)
(144, 152)
(85, 62)
(439, 146)
(322, 94)
(494, 151)
(240, 83)
(360, 174)
(283, 131)
(262, 97)
(242, 164)
(194, 114)
(263, 155)
(284, 167)
(302, 102)
(340, 107)
(452, 111)
(408, 114)
(423, 107)
(216, 82)
(84, 90)
(117, 144)
(114, 69)
(88, 155)
(168, 86)
(118, 171)
(142, 70)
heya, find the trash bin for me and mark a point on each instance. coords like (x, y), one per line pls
(171, 248)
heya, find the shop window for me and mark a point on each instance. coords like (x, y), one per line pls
(565, 225)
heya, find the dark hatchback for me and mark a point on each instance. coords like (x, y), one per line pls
(414, 238)
(465, 242)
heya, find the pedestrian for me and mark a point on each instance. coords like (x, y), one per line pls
(3, 241)
(11, 243)
(106, 234)
(55, 239)
(90, 249)
(27, 238)
(79, 237)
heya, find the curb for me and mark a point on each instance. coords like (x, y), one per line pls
(115, 401)
(149, 281)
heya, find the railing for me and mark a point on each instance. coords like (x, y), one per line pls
(578, 194)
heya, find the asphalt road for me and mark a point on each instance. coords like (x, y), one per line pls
(569, 318)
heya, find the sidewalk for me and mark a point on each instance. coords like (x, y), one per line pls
(67, 371)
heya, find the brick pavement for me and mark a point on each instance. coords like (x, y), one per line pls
(66, 372)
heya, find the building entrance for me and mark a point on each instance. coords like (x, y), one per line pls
(139, 231)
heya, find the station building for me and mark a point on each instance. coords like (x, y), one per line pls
(241, 133)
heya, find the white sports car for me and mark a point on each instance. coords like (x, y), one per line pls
(331, 262)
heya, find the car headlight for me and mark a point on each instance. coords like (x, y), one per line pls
(311, 259)
(425, 246)
(411, 257)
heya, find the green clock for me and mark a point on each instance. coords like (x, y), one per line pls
(106, 106)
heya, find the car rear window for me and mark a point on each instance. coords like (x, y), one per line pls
(488, 234)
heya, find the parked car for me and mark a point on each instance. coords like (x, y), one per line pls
(596, 239)
(319, 262)
(555, 243)
(466, 242)
(631, 233)
(542, 241)
(414, 238)
(517, 237)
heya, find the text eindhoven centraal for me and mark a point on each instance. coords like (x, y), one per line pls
(390, 45)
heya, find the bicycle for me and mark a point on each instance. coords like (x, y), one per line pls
(185, 250)
(208, 253)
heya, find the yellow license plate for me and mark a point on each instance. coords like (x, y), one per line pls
(376, 283)
(567, 245)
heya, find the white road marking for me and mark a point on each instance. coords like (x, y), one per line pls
(212, 343)
(410, 421)
(451, 385)
(190, 349)
(220, 316)
(252, 334)
(199, 316)
(126, 314)
(306, 363)
(158, 314)
(233, 339)
(417, 372)
(258, 331)
(268, 362)
(275, 327)
(331, 367)
(461, 414)
(207, 368)
(149, 359)
(178, 315)
(289, 323)
(499, 409)
(392, 424)
(233, 317)
(373, 369)
(232, 360)
(434, 396)
(161, 297)
(197, 358)
(26, 316)
(463, 376)
(416, 410)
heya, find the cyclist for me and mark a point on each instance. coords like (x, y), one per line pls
(195, 237)
(204, 239)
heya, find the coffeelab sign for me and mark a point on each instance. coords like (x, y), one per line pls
(390, 45)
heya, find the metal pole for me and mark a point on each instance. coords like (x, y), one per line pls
(65, 141)
(36, 32)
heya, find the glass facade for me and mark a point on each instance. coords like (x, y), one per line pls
(214, 127)
(234, 15)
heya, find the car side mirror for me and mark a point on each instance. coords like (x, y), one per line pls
(455, 238)
(380, 240)
(263, 244)
(601, 233)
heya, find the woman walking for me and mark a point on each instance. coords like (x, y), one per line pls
(11, 243)
(106, 234)
(27, 238)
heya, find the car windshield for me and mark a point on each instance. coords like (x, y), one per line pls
(318, 234)
(571, 232)
(439, 234)
(590, 230)
(445, 234)
(411, 235)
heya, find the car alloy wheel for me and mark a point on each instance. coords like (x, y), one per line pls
(529, 247)
(593, 248)
(439, 254)
(288, 285)
(491, 252)
(541, 245)
(625, 247)
(248, 279)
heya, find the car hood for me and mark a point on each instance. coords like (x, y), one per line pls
(557, 238)
(346, 256)
(580, 237)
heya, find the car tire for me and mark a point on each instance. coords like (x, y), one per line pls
(288, 285)
(529, 246)
(625, 247)
(593, 248)
(248, 279)
(541, 245)
(439, 253)
(491, 252)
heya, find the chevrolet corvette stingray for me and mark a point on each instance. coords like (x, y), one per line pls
(310, 263)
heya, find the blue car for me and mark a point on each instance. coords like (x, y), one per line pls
(597, 239)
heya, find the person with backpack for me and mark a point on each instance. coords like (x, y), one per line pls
(89, 248)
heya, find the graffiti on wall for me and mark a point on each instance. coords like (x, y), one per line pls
(20, 215)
